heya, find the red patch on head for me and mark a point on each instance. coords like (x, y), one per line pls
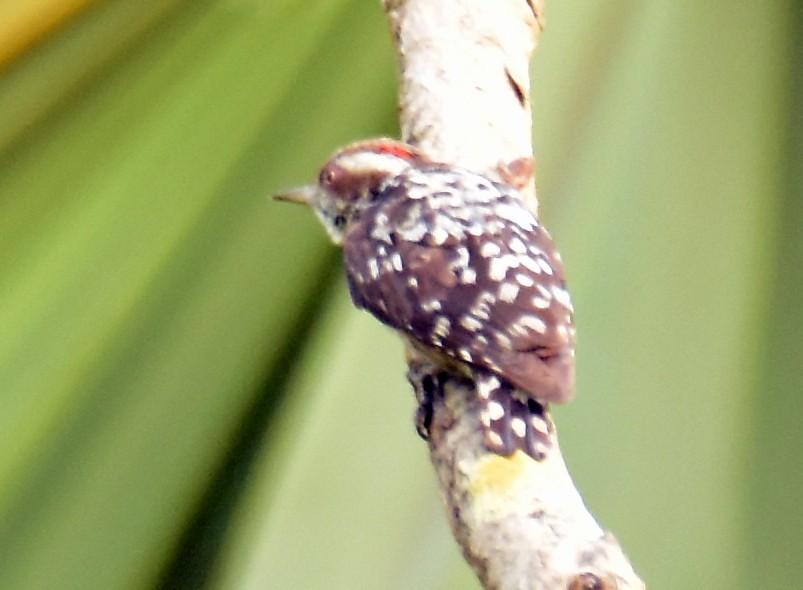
(396, 149)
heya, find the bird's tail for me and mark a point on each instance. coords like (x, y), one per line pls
(511, 420)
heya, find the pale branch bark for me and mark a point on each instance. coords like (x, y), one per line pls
(465, 83)
(465, 99)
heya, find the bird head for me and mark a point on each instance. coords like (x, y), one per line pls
(351, 180)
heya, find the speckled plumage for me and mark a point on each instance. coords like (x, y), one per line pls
(458, 265)
(482, 265)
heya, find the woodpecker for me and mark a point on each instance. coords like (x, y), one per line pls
(459, 266)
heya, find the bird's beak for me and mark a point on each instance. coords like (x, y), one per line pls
(306, 195)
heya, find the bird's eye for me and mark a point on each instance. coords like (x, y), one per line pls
(327, 176)
(339, 221)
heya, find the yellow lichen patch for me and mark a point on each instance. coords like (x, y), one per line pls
(496, 474)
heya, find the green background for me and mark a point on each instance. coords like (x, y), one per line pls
(187, 399)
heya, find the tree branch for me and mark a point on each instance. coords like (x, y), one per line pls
(465, 99)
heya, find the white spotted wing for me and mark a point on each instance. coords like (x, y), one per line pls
(460, 264)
